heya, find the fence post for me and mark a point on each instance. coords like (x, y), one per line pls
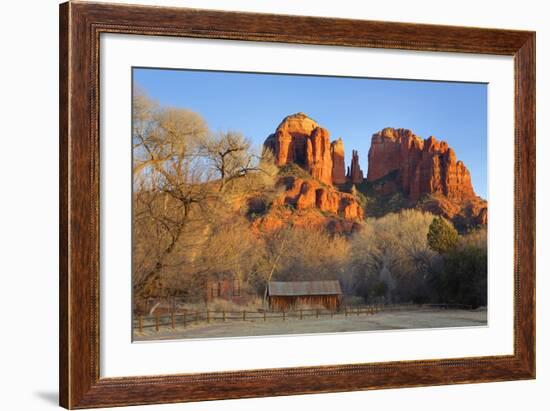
(223, 314)
(173, 320)
(196, 317)
(157, 321)
(244, 315)
(184, 319)
(300, 313)
(265, 315)
(207, 315)
(283, 314)
(140, 323)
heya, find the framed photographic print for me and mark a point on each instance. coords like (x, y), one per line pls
(257, 205)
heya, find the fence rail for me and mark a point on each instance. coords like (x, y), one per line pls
(185, 318)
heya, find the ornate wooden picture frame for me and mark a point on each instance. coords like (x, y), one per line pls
(81, 25)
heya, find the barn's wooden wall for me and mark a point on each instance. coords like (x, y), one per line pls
(279, 303)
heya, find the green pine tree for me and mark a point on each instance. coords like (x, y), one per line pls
(442, 236)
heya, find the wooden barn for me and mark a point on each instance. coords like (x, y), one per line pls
(294, 294)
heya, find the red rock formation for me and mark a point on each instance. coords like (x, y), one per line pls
(327, 200)
(307, 197)
(425, 167)
(355, 174)
(281, 145)
(338, 162)
(422, 166)
(472, 212)
(312, 205)
(303, 195)
(300, 140)
(311, 218)
(318, 156)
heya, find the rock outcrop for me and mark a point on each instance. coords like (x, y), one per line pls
(338, 162)
(425, 170)
(355, 174)
(313, 205)
(300, 140)
(426, 173)
(318, 155)
(303, 194)
(422, 166)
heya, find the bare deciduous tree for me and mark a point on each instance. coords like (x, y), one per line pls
(181, 198)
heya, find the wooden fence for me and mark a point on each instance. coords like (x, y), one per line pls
(185, 318)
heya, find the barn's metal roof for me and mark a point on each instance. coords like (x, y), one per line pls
(295, 288)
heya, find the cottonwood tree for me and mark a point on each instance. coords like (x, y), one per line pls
(232, 157)
(391, 254)
(181, 178)
(168, 175)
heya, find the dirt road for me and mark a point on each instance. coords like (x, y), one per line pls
(415, 318)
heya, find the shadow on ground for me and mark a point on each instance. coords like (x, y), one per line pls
(51, 397)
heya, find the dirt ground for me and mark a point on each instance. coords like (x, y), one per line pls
(416, 318)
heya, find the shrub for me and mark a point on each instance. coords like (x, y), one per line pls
(465, 276)
(442, 236)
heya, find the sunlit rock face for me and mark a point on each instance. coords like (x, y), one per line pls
(355, 174)
(338, 162)
(424, 166)
(307, 203)
(428, 173)
(303, 194)
(425, 172)
(300, 140)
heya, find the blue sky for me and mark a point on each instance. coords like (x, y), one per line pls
(351, 108)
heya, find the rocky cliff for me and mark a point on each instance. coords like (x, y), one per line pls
(303, 194)
(423, 166)
(355, 174)
(305, 202)
(426, 170)
(300, 140)
(338, 162)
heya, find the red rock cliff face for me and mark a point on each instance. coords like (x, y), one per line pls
(355, 174)
(310, 194)
(422, 166)
(300, 140)
(338, 162)
(318, 155)
(341, 211)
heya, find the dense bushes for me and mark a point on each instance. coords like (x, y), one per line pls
(462, 276)
(412, 256)
(390, 257)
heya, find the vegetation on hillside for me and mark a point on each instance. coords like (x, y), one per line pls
(378, 204)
